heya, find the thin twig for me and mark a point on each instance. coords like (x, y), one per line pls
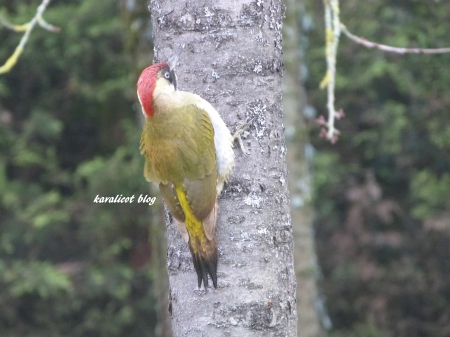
(44, 24)
(384, 47)
(16, 28)
(333, 32)
(27, 28)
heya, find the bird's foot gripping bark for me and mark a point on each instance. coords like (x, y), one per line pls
(205, 257)
(237, 136)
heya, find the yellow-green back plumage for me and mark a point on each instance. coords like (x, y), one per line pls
(179, 150)
(178, 143)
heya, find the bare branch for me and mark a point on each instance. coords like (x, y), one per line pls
(27, 28)
(369, 44)
(16, 28)
(333, 32)
(44, 24)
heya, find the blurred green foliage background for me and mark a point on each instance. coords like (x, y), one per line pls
(69, 131)
(382, 193)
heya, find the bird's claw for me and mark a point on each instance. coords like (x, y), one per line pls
(237, 136)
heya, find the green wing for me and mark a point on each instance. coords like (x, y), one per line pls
(178, 145)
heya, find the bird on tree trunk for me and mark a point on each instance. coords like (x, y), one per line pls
(188, 153)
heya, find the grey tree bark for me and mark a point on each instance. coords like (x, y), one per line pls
(232, 58)
(299, 178)
(160, 287)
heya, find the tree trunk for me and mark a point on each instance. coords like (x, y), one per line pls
(161, 288)
(232, 58)
(299, 181)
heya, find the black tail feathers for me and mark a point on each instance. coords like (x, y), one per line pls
(205, 258)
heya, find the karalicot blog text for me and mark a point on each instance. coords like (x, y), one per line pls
(119, 199)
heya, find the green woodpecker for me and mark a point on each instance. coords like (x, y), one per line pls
(188, 152)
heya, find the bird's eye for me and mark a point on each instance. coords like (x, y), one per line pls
(167, 75)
